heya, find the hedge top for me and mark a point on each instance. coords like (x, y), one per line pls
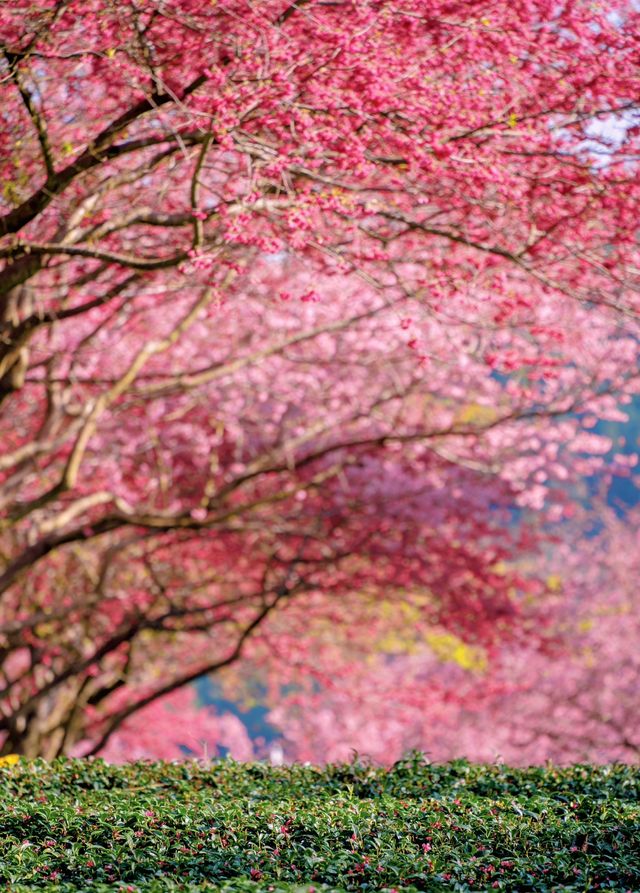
(146, 827)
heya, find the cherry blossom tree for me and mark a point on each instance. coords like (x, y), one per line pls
(302, 307)
(574, 701)
(582, 705)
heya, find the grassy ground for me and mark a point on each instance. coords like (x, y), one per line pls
(74, 826)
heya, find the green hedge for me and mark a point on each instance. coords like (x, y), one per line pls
(145, 827)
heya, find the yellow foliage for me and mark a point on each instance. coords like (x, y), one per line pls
(396, 643)
(404, 616)
(402, 621)
(476, 414)
(10, 760)
(500, 568)
(450, 648)
(396, 610)
(10, 193)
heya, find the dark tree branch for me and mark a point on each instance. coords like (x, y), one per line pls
(117, 719)
(96, 153)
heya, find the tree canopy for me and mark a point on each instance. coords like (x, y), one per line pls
(303, 308)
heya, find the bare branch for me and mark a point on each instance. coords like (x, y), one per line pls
(36, 115)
